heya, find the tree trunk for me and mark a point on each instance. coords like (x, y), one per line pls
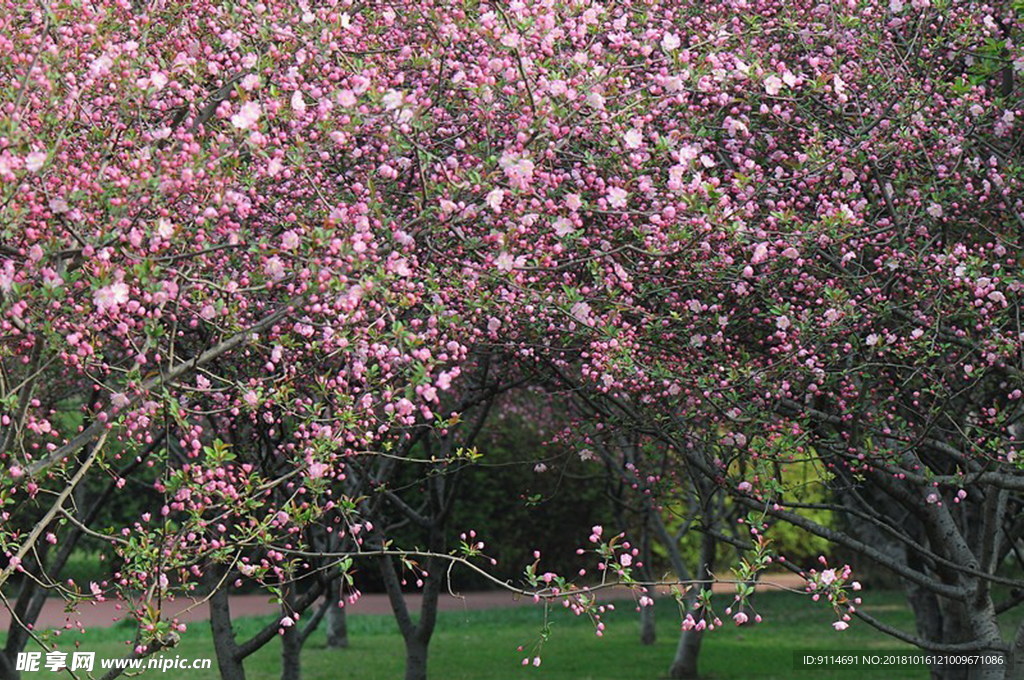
(7, 671)
(943, 621)
(291, 638)
(982, 624)
(337, 622)
(684, 666)
(415, 659)
(224, 645)
(1015, 664)
(415, 634)
(415, 648)
(647, 629)
(952, 623)
(291, 650)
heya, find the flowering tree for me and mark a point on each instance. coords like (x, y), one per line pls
(198, 240)
(757, 231)
(791, 233)
(227, 272)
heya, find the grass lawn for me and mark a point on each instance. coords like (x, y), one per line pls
(481, 645)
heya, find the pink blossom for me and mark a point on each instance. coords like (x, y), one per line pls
(563, 227)
(633, 139)
(838, 85)
(404, 407)
(247, 116)
(581, 311)
(518, 170)
(735, 127)
(35, 161)
(617, 197)
(111, 296)
(392, 99)
(101, 65)
(274, 268)
(840, 625)
(347, 98)
(494, 199)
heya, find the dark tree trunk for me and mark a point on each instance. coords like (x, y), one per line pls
(416, 660)
(416, 635)
(684, 666)
(224, 646)
(7, 671)
(337, 621)
(291, 638)
(291, 649)
(416, 652)
(1015, 665)
(648, 635)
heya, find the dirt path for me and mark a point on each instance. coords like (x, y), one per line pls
(104, 614)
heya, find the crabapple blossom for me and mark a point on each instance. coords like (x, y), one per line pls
(271, 235)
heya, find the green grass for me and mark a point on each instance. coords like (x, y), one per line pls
(481, 645)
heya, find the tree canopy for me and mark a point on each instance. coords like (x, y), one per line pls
(265, 258)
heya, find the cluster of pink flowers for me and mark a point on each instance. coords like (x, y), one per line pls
(254, 243)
